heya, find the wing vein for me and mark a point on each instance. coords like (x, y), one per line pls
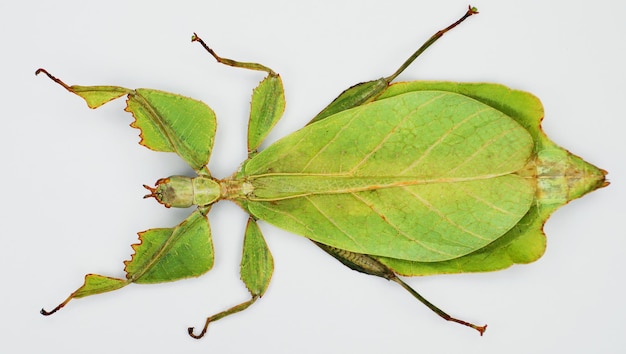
(282, 156)
(345, 126)
(441, 139)
(485, 145)
(400, 232)
(392, 131)
(444, 217)
(284, 213)
(487, 203)
(334, 223)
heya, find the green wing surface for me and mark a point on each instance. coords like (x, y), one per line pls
(561, 177)
(421, 176)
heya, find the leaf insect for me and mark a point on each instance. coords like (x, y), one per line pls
(414, 178)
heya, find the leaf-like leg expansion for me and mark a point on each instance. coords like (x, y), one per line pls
(168, 254)
(168, 122)
(164, 254)
(257, 263)
(94, 96)
(94, 284)
(367, 91)
(365, 264)
(266, 108)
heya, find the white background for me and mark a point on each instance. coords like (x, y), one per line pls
(71, 177)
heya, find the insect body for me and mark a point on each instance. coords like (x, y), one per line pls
(412, 178)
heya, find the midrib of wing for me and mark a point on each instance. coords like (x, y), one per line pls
(281, 186)
(445, 236)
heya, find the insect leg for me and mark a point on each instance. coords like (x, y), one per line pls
(369, 265)
(230, 62)
(230, 311)
(257, 266)
(470, 11)
(268, 99)
(365, 92)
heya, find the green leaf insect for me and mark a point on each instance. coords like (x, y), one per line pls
(413, 178)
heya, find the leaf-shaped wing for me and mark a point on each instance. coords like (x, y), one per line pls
(526, 242)
(422, 176)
